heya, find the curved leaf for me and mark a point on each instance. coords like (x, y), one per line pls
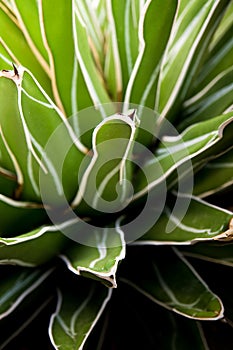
(169, 280)
(100, 262)
(35, 247)
(191, 34)
(17, 285)
(216, 176)
(79, 307)
(143, 82)
(200, 221)
(14, 42)
(200, 142)
(28, 99)
(104, 185)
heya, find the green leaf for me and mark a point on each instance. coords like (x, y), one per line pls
(16, 46)
(79, 307)
(26, 216)
(194, 27)
(36, 296)
(91, 75)
(169, 280)
(16, 285)
(123, 42)
(100, 262)
(200, 142)
(218, 252)
(143, 82)
(214, 99)
(58, 41)
(216, 176)
(35, 247)
(145, 325)
(105, 182)
(27, 14)
(95, 35)
(27, 99)
(191, 221)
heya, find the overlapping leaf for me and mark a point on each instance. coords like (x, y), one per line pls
(199, 143)
(142, 84)
(36, 119)
(15, 46)
(17, 285)
(216, 176)
(195, 24)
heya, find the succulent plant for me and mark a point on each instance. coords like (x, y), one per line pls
(116, 173)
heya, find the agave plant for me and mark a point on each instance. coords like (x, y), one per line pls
(116, 173)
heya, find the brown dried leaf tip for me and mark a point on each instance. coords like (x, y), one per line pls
(16, 74)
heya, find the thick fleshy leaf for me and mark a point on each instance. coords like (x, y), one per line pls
(218, 252)
(90, 73)
(112, 64)
(17, 284)
(145, 325)
(122, 36)
(215, 176)
(105, 182)
(60, 48)
(8, 182)
(212, 101)
(219, 56)
(35, 247)
(199, 143)
(217, 276)
(168, 279)
(193, 220)
(37, 290)
(212, 90)
(27, 98)
(192, 32)
(14, 42)
(26, 216)
(79, 307)
(27, 14)
(142, 85)
(96, 38)
(100, 262)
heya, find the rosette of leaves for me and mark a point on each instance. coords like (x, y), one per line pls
(61, 260)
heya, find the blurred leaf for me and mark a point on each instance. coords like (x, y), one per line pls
(26, 216)
(169, 280)
(122, 36)
(79, 307)
(16, 286)
(218, 252)
(143, 81)
(95, 35)
(27, 14)
(94, 82)
(14, 42)
(144, 325)
(194, 27)
(216, 176)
